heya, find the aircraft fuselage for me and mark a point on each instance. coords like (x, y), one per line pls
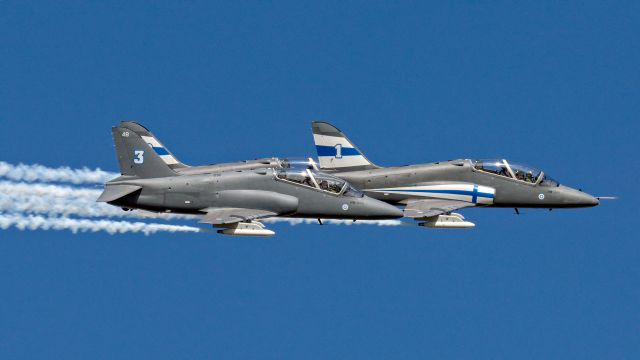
(255, 189)
(459, 180)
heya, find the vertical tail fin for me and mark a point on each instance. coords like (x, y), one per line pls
(141, 154)
(335, 151)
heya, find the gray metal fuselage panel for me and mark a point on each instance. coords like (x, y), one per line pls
(232, 166)
(246, 189)
(508, 191)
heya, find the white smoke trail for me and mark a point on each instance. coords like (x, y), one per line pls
(60, 191)
(53, 206)
(31, 222)
(35, 172)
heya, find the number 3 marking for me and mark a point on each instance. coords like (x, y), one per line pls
(138, 156)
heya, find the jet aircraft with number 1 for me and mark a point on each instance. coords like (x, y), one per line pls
(431, 192)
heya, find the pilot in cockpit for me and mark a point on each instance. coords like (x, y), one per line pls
(529, 177)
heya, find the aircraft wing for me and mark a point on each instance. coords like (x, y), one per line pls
(432, 207)
(220, 216)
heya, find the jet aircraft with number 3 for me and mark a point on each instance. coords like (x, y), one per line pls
(229, 196)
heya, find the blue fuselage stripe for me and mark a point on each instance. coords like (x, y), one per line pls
(324, 150)
(160, 151)
(474, 197)
(453, 192)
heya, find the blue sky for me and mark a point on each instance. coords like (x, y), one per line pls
(553, 85)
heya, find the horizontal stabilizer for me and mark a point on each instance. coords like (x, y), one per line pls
(115, 192)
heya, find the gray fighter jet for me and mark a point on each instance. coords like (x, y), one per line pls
(430, 192)
(230, 196)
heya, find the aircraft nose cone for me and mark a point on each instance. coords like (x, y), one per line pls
(578, 198)
(380, 210)
(591, 201)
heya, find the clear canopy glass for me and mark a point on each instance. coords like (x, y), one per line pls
(525, 173)
(299, 163)
(492, 166)
(318, 180)
(328, 182)
(515, 171)
(548, 181)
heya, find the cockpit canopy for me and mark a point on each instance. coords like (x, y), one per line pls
(298, 163)
(515, 171)
(318, 180)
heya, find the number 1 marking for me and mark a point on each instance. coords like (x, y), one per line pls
(338, 151)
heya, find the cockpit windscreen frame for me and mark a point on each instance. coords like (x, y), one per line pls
(318, 181)
(513, 171)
